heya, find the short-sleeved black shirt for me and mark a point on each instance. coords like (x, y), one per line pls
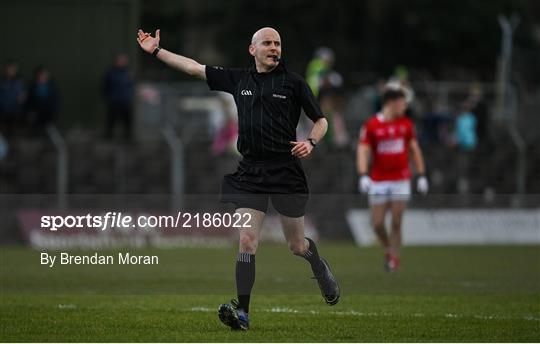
(269, 107)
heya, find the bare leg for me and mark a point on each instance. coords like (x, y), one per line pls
(378, 213)
(397, 209)
(293, 229)
(249, 236)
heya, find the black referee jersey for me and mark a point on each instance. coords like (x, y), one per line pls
(269, 107)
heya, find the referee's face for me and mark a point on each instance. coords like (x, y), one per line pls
(265, 47)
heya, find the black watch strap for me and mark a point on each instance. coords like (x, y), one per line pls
(312, 141)
(156, 51)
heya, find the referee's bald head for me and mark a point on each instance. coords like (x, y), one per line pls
(265, 47)
(264, 32)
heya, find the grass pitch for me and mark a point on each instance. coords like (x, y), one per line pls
(455, 294)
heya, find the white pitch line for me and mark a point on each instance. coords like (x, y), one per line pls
(201, 309)
(375, 314)
(282, 310)
(67, 306)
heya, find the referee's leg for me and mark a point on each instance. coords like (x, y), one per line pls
(294, 231)
(247, 248)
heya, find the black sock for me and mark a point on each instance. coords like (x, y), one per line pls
(312, 256)
(245, 277)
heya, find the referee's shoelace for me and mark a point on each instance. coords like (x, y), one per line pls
(235, 303)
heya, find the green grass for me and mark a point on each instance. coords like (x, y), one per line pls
(459, 294)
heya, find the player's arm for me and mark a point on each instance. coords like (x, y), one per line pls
(363, 153)
(179, 62)
(417, 157)
(418, 161)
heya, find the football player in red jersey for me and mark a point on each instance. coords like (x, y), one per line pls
(388, 137)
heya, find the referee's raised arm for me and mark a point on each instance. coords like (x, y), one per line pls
(151, 45)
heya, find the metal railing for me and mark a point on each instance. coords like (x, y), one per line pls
(177, 173)
(62, 175)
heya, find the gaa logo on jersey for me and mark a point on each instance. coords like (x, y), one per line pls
(246, 93)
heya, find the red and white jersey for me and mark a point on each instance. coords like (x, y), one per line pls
(389, 142)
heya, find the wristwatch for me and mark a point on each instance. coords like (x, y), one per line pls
(156, 51)
(312, 141)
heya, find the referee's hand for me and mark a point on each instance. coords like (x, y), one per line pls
(147, 42)
(301, 149)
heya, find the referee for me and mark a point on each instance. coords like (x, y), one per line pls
(269, 99)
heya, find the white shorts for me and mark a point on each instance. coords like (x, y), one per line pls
(388, 191)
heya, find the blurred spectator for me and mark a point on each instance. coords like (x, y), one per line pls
(465, 136)
(12, 96)
(318, 68)
(226, 137)
(466, 141)
(479, 109)
(118, 93)
(327, 85)
(4, 147)
(435, 124)
(400, 79)
(43, 100)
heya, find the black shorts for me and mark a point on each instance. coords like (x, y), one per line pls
(254, 183)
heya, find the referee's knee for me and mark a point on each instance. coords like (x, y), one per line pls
(248, 243)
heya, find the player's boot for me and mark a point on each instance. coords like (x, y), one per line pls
(396, 262)
(328, 284)
(391, 262)
(236, 318)
(387, 262)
